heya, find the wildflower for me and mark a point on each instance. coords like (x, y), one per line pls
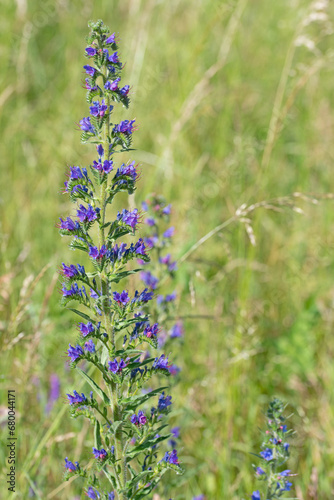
(89, 70)
(75, 352)
(177, 330)
(88, 85)
(76, 398)
(110, 39)
(86, 126)
(69, 224)
(121, 298)
(92, 493)
(143, 297)
(70, 466)
(256, 495)
(151, 331)
(86, 329)
(149, 280)
(124, 127)
(125, 90)
(164, 402)
(87, 214)
(267, 454)
(54, 392)
(161, 363)
(172, 266)
(168, 233)
(100, 454)
(171, 457)
(90, 53)
(129, 218)
(112, 85)
(259, 471)
(90, 346)
(98, 109)
(73, 291)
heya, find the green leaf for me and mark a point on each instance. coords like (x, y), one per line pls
(104, 355)
(134, 401)
(83, 315)
(134, 481)
(124, 274)
(94, 386)
(110, 477)
(148, 443)
(116, 425)
(97, 435)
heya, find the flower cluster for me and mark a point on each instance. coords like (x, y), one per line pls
(274, 454)
(127, 435)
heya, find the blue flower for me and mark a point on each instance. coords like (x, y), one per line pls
(69, 465)
(91, 493)
(267, 454)
(76, 398)
(90, 52)
(256, 495)
(164, 402)
(90, 346)
(86, 126)
(100, 454)
(90, 70)
(124, 127)
(75, 352)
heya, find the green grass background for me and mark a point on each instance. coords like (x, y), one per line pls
(230, 111)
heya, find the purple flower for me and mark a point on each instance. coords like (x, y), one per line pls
(177, 330)
(134, 419)
(98, 109)
(69, 224)
(90, 346)
(124, 127)
(69, 465)
(126, 171)
(73, 291)
(121, 298)
(259, 471)
(287, 486)
(116, 367)
(90, 53)
(161, 363)
(113, 58)
(76, 398)
(199, 497)
(100, 150)
(70, 271)
(142, 297)
(141, 418)
(267, 454)
(90, 70)
(87, 214)
(125, 90)
(112, 85)
(164, 402)
(89, 86)
(168, 233)
(75, 173)
(91, 493)
(286, 446)
(86, 329)
(111, 496)
(54, 392)
(93, 252)
(172, 266)
(150, 221)
(149, 280)
(113, 366)
(166, 210)
(110, 39)
(129, 218)
(100, 454)
(86, 126)
(285, 473)
(256, 495)
(171, 457)
(75, 352)
(151, 331)
(105, 167)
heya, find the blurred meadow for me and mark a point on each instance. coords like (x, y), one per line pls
(234, 102)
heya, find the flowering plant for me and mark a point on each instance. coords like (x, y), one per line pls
(116, 326)
(274, 454)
